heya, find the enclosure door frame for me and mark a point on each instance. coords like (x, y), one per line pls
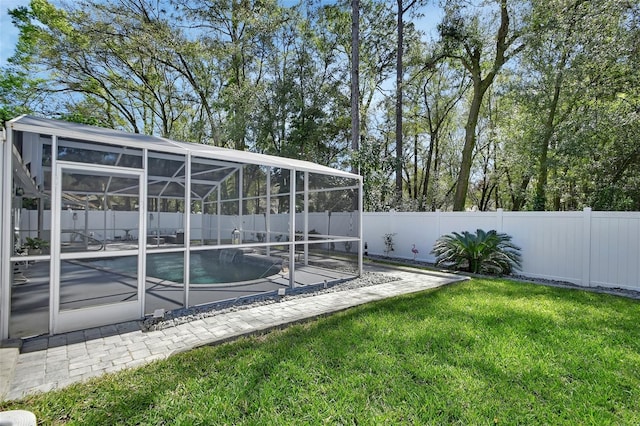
(112, 313)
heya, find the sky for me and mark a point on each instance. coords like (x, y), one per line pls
(9, 33)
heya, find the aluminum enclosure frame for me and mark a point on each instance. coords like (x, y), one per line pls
(14, 176)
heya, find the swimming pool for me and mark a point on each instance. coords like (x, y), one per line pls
(206, 267)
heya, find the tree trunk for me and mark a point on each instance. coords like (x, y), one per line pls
(518, 196)
(462, 185)
(355, 77)
(399, 147)
(433, 140)
(355, 88)
(436, 170)
(415, 167)
(480, 85)
(540, 199)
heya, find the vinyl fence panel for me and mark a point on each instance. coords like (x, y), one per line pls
(584, 247)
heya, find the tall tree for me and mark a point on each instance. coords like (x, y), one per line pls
(239, 34)
(109, 54)
(463, 39)
(305, 112)
(355, 78)
(377, 53)
(555, 129)
(20, 93)
(402, 9)
(435, 93)
(570, 32)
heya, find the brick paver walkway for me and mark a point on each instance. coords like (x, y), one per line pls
(54, 362)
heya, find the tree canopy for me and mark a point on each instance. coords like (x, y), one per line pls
(514, 104)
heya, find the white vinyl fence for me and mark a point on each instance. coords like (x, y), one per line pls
(111, 225)
(587, 248)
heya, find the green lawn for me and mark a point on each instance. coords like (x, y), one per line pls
(479, 352)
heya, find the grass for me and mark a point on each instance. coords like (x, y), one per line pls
(480, 352)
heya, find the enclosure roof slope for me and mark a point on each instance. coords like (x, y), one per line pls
(32, 124)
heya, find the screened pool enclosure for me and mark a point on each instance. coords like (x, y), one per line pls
(101, 227)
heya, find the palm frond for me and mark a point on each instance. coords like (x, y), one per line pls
(483, 252)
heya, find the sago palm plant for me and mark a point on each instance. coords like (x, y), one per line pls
(480, 253)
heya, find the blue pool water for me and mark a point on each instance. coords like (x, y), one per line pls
(206, 268)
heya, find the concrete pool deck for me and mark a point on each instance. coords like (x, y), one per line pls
(53, 362)
(30, 299)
